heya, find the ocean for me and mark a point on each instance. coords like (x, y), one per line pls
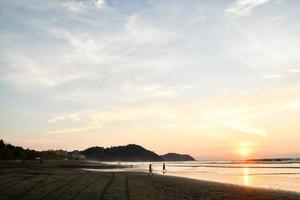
(273, 175)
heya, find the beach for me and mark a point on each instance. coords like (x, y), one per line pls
(149, 99)
(69, 183)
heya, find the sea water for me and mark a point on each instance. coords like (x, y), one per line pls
(272, 175)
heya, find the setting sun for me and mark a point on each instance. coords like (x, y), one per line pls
(244, 152)
(245, 149)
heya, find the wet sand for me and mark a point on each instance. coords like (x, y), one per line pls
(57, 183)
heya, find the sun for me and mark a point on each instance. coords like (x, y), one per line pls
(245, 149)
(244, 152)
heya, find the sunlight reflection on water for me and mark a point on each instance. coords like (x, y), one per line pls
(274, 176)
(246, 176)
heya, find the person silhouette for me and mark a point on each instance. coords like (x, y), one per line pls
(150, 170)
(164, 168)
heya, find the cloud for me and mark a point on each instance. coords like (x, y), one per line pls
(139, 66)
(83, 5)
(155, 114)
(272, 76)
(87, 120)
(55, 119)
(198, 19)
(25, 71)
(291, 106)
(294, 70)
(142, 32)
(235, 114)
(74, 117)
(74, 6)
(253, 114)
(155, 91)
(244, 127)
(238, 118)
(100, 4)
(75, 129)
(84, 55)
(263, 52)
(226, 112)
(244, 7)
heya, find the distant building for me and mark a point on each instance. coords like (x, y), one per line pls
(61, 153)
(75, 155)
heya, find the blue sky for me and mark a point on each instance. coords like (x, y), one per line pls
(159, 73)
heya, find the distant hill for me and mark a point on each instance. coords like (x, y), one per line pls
(177, 157)
(129, 152)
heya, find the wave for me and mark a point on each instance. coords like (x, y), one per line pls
(242, 166)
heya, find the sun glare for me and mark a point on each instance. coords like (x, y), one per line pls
(245, 149)
(244, 152)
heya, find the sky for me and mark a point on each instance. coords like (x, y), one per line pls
(214, 79)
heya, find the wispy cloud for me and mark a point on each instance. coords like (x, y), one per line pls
(245, 127)
(56, 118)
(100, 4)
(294, 70)
(83, 5)
(74, 117)
(238, 118)
(75, 129)
(291, 106)
(244, 7)
(272, 76)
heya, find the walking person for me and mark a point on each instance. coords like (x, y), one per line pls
(150, 170)
(164, 168)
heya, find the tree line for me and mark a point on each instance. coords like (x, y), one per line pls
(11, 152)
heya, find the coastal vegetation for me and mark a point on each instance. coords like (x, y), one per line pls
(11, 152)
(130, 152)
